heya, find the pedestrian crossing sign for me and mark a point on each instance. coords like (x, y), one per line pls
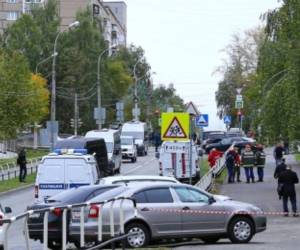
(175, 126)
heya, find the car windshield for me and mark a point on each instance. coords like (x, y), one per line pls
(126, 141)
(136, 135)
(109, 147)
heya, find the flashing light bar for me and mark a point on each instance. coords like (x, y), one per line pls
(61, 151)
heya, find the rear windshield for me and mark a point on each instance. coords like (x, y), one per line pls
(73, 196)
(110, 194)
(126, 141)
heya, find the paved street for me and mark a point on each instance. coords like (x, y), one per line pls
(282, 233)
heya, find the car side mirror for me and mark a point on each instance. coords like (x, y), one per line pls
(157, 155)
(7, 210)
(211, 200)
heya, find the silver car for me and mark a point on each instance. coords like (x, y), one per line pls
(167, 210)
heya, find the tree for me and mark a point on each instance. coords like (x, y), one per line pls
(23, 97)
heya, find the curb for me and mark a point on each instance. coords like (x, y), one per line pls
(15, 190)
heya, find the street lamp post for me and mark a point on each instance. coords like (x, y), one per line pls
(99, 85)
(53, 84)
(43, 61)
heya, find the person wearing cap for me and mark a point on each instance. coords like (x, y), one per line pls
(289, 178)
(247, 162)
(260, 161)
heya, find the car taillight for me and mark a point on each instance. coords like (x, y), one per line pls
(57, 211)
(94, 211)
(36, 192)
(1, 217)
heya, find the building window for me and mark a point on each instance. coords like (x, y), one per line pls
(33, 1)
(11, 1)
(12, 15)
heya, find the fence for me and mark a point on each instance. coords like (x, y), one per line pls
(11, 170)
(114, 237)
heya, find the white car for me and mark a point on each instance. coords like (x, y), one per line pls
(129, 149)
(136, 178)
(2, 216)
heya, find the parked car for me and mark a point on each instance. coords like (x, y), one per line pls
(113, 146)
(167, 210)
(68, 197)
(212, 137)
(4, 211)
(136, 179)
(224, 144)
(129, 149)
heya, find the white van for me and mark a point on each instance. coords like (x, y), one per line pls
(113, 146)
(174, 160)
(139, 131)
(58, 172)
(128, 148)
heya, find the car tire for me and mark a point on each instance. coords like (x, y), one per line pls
(132, 159)
(54, 245)
(240, 230)
(1, 247)
(210, 239)
(143, 237)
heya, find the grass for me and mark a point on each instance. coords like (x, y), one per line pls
(218, 182)
(14, 183)
(204, 167)
(30, 154)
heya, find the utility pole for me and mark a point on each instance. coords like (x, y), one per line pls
(76, 115)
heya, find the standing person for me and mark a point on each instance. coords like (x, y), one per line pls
(230, 161)
(247, 161)
(278, 170)
(260, 161)
(213, 156)
(157, 140)
(21, 161)
(278, 153)
(286, 146)
(237, 165)
(289, 178)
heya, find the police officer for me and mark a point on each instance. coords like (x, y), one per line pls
(260, 161)
(248, 161)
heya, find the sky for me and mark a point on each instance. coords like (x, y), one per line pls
(183, 40)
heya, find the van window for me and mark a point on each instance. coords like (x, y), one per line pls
(126, 141)
(136, 135)
(77, 170)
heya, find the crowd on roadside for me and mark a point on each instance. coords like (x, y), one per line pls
(250, 159)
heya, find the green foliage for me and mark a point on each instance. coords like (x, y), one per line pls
(22, 98)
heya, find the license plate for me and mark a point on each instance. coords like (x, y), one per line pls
(75, 215)
(34, 216)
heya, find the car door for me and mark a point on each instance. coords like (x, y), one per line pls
(198, 214)
(154, 205)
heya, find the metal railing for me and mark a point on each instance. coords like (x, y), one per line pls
(10, 171)
(114, 236)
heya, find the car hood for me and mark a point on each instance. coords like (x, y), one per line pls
(221, 197)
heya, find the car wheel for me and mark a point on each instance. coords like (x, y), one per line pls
(210, 239)
(132, 159)
(53, 245)
(241, 230)
(141, 238)
(1, 247)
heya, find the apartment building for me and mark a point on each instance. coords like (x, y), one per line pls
(113, 15)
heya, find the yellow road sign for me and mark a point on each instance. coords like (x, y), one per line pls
(175, 126)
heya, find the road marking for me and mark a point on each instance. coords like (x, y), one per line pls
(139, 166)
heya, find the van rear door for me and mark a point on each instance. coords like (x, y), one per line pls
(51, 177)
(77, 173)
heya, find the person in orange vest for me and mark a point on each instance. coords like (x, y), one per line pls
(213, 156)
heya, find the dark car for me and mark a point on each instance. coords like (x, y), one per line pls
(68, 197)
(212, 137)
(224, 144)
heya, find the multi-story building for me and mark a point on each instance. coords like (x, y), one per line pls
(113, 15)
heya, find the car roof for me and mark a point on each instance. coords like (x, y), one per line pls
(139, 177)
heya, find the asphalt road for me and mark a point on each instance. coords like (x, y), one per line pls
(20, 200)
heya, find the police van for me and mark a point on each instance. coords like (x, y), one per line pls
(60, 171)
(174, 160)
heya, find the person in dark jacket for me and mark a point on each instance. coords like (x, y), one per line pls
(237, 165)
(248, 161)
(289, 178)
(21, 161)
(230, 163)
(260, 161)
(278, 170)
(278, 153)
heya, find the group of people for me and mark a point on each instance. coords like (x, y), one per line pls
(247, 160)
(286, 180)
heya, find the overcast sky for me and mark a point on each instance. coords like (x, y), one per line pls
(183, 40)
